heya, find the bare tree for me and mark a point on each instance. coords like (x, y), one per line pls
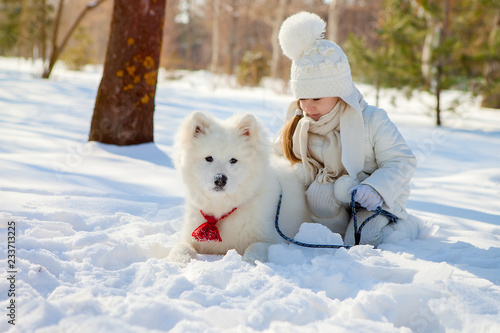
(215, 36)
(334, 10)
(124, 107)
(42, 32)
(232, 9)
(58, 48)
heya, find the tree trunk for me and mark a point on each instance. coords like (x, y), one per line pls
(215, 37)
(233, 45)
(53, 53)
(42, 35)
(440, 63)
(334, 10)
(25, 45)
(277, 54)
(124, 107)
(430, 44)
(491, 95)
(188, 61)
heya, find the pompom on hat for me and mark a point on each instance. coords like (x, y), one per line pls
(319, 66)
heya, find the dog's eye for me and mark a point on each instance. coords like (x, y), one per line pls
(209, 159)
(233, 160)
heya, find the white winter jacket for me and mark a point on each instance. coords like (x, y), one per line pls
(388, 163)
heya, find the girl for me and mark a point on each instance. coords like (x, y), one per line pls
(331, 131)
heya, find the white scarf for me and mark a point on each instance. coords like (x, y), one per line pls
(351, 131)
(318, 145)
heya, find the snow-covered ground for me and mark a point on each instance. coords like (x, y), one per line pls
(94, 224)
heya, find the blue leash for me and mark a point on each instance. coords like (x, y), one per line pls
(357, 232)
(378, 211)
(291, 240)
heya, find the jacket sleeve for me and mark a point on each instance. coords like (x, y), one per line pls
(395, 160)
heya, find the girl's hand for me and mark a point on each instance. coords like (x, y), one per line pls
(367, 197)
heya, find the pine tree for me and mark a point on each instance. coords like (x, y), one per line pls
(9, 24)
(434, 45)
(482, 30)
(393, 59)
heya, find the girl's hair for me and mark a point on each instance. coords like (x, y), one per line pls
(287, 142)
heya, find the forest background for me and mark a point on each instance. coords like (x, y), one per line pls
(429, 45)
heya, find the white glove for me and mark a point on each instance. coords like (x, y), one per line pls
(367, 197)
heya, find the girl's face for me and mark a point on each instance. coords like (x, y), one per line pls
(317, 107)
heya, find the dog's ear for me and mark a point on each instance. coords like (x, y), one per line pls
(248, 126)
(199, 124)
(194, 125)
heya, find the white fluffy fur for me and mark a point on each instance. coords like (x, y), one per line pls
(253, 186)
(299, 32)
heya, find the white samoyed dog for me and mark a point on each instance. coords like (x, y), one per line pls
(233, 184)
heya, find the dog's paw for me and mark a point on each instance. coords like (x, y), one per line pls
(256, 252)
(182, 253)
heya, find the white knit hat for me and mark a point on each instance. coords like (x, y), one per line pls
(319, 66)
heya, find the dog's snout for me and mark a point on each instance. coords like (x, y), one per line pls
(220, 181)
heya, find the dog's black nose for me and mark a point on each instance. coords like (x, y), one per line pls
(220, 181)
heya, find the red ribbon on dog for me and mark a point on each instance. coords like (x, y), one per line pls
(208, 231)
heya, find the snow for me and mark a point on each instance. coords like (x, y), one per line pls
(94, 223)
